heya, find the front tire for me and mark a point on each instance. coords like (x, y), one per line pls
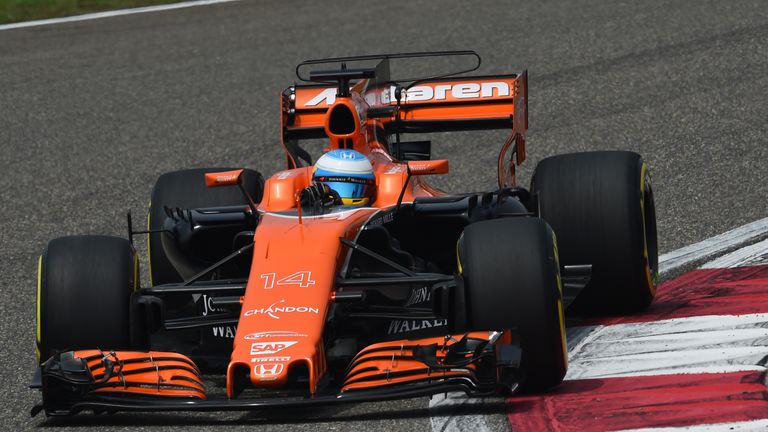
(84, 291)
(601, 206)
(512, 281)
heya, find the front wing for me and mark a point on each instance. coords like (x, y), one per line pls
(477, 363)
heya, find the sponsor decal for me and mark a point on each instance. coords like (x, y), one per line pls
(225, 332)
(271, 334)
(419, 295)
(422, 93)
(208, 305)
(274, 311)
(382, 219)
(226, 178)
(282, 175)
(457, 91)
(268, 371)
(404, 326)
(261, 348)
(328, 95)
(396, 169)
(270, 359)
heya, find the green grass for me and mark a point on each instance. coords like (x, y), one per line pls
(25, 10)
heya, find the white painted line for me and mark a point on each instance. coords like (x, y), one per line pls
(747, 426)
(701, 344)
(749, 255)
(713, 246)
(112, 13)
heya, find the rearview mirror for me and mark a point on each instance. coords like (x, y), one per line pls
(230, 178)
(225, 178)
(427, 167)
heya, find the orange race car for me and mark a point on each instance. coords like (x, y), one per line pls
(349, 278)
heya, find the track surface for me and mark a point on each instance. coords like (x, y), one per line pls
(92, 112)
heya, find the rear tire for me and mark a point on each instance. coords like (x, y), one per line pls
(186, 189)
(601, 206)
(84, 291)
(512, 281)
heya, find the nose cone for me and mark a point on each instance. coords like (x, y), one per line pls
(279, 339)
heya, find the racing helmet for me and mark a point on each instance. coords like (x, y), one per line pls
(349, 173)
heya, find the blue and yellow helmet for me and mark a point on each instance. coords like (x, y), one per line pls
(349, 173)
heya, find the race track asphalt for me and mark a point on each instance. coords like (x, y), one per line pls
(92, 112)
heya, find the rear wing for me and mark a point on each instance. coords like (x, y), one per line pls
(448, 102)
(437, 105)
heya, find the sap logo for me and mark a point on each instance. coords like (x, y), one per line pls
(423, 93)
(261, 348)
(271, 334)
(268, 370)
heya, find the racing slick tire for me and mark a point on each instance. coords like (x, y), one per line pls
(84, 287)
(186, 189)
(601, 206)
(512, 281)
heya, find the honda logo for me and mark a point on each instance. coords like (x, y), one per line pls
(267, 370)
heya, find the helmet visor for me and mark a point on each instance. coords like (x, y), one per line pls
(350, 190)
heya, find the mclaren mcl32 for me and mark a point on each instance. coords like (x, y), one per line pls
(294, 295)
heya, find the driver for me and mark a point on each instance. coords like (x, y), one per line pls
(341, 177)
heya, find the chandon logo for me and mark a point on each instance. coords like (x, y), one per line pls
(273, 311)
(423, 93)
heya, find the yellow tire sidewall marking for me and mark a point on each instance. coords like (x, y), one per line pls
(458, 256)
(646, 260)
(149, 245)
(39, 289)
(135, 271)
(560, 313)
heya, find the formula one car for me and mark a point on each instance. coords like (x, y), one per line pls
(349, 278)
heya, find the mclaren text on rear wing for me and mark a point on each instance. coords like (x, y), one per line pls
(438, 105)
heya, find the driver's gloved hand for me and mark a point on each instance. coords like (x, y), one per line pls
(319, 195)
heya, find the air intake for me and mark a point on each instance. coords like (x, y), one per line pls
(341, 120)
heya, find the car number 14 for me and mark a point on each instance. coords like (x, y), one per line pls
(301, 278)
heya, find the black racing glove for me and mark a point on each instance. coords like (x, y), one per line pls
(319, 195)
